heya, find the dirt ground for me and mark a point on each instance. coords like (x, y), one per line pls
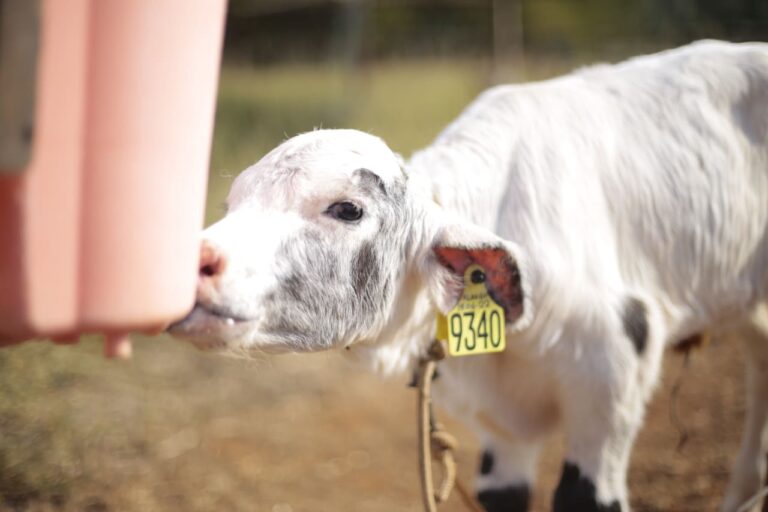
(176, 430)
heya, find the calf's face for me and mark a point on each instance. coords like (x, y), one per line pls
(318, 240)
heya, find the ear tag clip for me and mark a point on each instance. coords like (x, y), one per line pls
(476, 324)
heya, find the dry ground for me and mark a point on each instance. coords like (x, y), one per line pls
(178, 430)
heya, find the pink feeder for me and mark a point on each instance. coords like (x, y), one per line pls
(99, 231)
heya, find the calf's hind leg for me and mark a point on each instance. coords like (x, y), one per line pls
(601, 421)
(606, 379)
(749, 471)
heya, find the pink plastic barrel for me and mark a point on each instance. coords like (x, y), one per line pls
(100, 231)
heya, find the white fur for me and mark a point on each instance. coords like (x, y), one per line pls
(645, 179)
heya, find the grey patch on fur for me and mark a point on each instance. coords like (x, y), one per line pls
(634, 317)
(365, 268)
(292, 286)
(330, 293)
(371, 180)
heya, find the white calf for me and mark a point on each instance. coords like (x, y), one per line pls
(616, 211)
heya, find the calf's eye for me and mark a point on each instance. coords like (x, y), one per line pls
(345, 210)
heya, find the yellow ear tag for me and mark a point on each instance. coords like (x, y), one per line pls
(476, 325)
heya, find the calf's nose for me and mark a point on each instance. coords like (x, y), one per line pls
(212, 263)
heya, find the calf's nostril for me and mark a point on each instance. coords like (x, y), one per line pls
(207, 270)
(211, 262)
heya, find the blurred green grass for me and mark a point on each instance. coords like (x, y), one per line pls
(69, 420)
(405, 103)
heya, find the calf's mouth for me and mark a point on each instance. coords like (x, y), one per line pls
(186, 325)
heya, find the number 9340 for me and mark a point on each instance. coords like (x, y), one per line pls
(475, 332)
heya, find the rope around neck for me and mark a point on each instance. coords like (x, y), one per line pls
(435, 442)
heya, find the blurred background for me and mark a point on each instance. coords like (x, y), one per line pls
(175, 429)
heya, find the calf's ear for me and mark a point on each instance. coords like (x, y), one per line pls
(455, 248)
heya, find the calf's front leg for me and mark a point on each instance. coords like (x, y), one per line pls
(507, 473)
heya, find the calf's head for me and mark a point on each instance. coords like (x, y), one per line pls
(325, 242)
